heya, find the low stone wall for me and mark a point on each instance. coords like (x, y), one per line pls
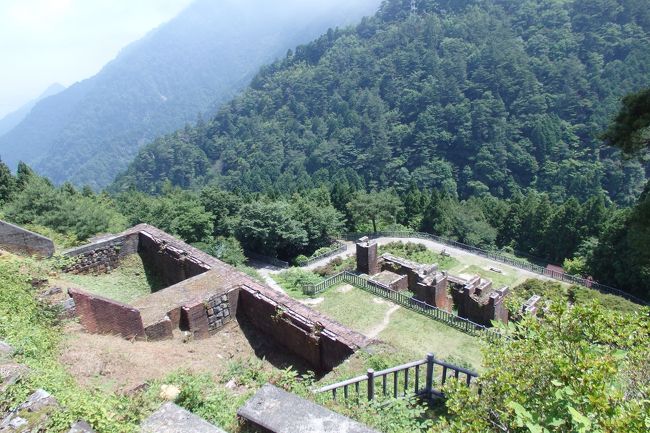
(103, 256)
(21, 241)
(104, 316)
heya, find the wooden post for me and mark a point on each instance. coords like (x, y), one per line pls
(429, 383)
(371, 384)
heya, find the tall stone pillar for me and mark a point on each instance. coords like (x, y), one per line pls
(367, 260)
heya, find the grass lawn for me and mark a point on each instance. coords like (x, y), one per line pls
(353, 307)
(128, 282)
(410, 333)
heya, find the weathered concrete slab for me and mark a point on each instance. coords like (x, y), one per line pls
(274, 410)
(173, 419)
(31, 416)
(19, 240)
(81, 427)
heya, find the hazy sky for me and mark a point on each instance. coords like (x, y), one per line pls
(47, 41)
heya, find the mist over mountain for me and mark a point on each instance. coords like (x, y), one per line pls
(11, 120)
(202, 58)
(472, 98)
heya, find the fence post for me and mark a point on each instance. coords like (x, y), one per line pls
(429, 384)
(371, 384)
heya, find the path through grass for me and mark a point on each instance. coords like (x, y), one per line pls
(412, 334)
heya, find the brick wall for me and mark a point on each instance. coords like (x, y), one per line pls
(172, 264)
(319, 347)
(367, 260)
(104, 316)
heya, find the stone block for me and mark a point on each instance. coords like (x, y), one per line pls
(81, 427)
(10, 373)
(274, 410)
(31, 416)
(6, 351)
(173, 419)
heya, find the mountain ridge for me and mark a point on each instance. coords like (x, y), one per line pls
(185, 67)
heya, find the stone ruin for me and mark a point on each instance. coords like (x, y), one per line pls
(22, 241)
(203, 294)
(475, 299)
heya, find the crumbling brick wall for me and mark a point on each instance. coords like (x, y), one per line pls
(367, 257)
(104, 316)
(172, 264)
(476, 303)
(308, 340)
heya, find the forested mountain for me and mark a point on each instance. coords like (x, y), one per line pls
(8, 122)
(468, 97)
(194, 63)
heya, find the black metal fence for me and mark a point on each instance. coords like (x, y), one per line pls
(405, 301)
(499, 257)
(423, 378)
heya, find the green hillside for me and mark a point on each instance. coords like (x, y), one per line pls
(190, 65)
(469, 97)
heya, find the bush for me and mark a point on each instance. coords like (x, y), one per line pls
(301, 260)
(294, 279)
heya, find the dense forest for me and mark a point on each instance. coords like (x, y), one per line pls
(90, 132)
(473, 98)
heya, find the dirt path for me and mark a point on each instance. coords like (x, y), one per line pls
(374, 332)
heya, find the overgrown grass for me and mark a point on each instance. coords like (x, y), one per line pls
(33, 329)
(294, 279)
(128, 282)
(551, 290)
(354, 307)
(336, 265)
(419, 253)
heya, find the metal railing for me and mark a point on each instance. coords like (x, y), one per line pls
(405, 301)
(395, 381)
(496, 256)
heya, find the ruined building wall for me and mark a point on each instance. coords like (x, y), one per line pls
(104, 316)
(310, 341)
(367, 257)
(172, 264)
(473, 304)
(22, 241)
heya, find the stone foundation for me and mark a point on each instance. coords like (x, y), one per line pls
(474, 299)
(205, 295)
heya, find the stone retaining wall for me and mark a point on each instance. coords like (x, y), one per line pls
(101, 257)
(22, 241)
